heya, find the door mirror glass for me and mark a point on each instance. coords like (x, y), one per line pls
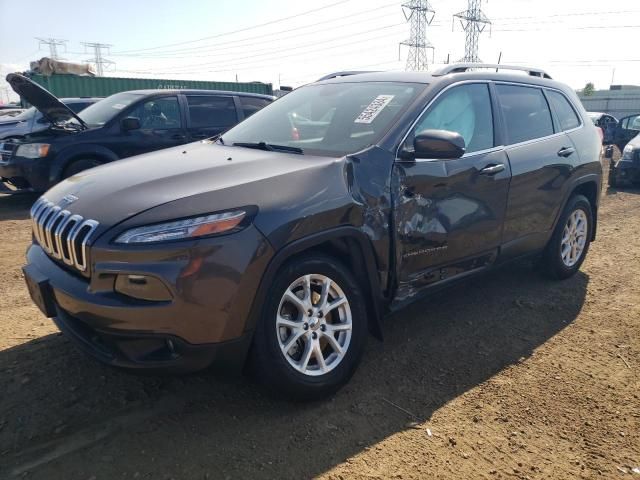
(130, 123)
(438, 144)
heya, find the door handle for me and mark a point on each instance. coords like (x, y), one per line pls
(566, 151)
(492, 169)
(178, 136)
(199, 135)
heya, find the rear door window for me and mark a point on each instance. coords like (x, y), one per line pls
(251, 105)
(212, 111)
(564, 111)
(525, 111)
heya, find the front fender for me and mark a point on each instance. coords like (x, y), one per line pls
(359, 244)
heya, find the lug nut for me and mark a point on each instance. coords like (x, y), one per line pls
(314, 335)
(320, 314)
(309, 313)
(323, 327)
(305, 326)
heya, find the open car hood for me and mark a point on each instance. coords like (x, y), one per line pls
(51, 108)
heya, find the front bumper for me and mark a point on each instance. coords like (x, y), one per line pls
(205, 321)
(22, 175)
(627, 173)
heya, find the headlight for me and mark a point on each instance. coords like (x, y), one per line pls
(33, 150)
(627, 153)
(183, 229)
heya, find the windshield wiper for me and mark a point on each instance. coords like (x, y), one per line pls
(270, 147)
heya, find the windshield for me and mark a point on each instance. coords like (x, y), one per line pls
(26, 115)
(104, 110)
(331, 119)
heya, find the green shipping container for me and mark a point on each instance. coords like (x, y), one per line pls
(76, 86)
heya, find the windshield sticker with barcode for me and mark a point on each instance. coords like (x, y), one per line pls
(118, 106)
(374, 108)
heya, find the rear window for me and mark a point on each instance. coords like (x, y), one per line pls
(564, 111)
(251, 105)
(526, 112)
(211, 111)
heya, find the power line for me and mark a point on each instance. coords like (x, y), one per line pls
(420, 16)
(98, 59)
(251, 65)
(240, 42)
(473, 21)
(275, 54)
(279, 20)
(53, 44)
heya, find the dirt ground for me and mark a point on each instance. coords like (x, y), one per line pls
(506, 376)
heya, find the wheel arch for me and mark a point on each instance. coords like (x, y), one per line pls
(589, 188)
(340, 242)
(70, 155)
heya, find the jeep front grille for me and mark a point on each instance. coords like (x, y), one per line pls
(62, 235)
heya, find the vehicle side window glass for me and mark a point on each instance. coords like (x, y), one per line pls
(159, 113)
(465, 109)
(634, 123)
(525, 111)
(251, 105)
(564, 111)
(211, 111)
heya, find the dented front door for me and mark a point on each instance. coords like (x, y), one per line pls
(448, 214)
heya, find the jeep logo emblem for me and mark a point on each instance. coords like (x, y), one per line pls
(68, 200)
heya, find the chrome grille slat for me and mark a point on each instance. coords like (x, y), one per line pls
(55, 228)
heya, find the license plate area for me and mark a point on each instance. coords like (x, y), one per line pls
(40, 290)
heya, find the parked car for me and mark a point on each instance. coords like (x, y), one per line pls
(286, 248)
(626, 129)
(626, 171)
(31, 120)
(607, 123)
(119, 126)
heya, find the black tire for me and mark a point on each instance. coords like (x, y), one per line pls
(552, 263)
(77, 166)
(268, 361)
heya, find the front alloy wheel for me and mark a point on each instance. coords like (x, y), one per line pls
(313, 329)
(314, 324)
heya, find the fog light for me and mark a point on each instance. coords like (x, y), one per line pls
(144, 287)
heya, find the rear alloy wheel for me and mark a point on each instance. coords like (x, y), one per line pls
(570, 241)
(313, 330)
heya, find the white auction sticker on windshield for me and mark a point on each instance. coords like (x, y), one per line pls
(118, 106)
(374, 108)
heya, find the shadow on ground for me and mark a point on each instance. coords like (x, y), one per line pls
(63, 414)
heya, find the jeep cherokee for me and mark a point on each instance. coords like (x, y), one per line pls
(285, 240)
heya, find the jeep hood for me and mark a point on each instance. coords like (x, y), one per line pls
(196, 178)
(51, 108)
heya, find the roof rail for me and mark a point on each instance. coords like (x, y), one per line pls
(343, 74)
(463, 67)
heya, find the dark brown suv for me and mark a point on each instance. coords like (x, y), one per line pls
(286, 239)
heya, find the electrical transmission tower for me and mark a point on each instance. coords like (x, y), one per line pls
(98, 59)
(420, 14)
(473, 22)
(53, 43)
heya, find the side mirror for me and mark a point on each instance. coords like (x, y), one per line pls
(130, 123)
(438, 144)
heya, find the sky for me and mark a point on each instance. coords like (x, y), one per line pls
(287, 42)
